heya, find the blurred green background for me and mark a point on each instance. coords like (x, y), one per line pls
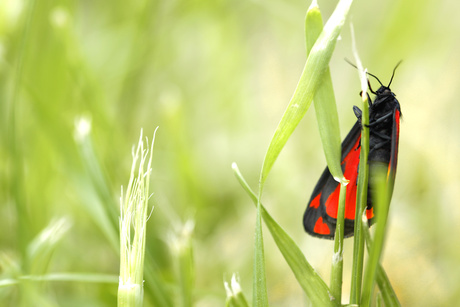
(215, 76)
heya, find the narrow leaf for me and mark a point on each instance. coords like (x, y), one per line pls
(361, 195)
(260, 297)
(315, 66)
(388, 293)
(315, 288)
(382, 202)
(324, 99)
(337, 258)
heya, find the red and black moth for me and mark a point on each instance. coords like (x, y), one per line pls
(384, 114)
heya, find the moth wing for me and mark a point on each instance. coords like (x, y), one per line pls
(394, 148)
(320, 216)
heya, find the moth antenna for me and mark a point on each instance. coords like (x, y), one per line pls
(351, 63)
(394, 69)
(375, 78)
(370, 87)
(368, 73)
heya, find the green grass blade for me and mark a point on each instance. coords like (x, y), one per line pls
(8, 282)
(324, 99)
(315, 67)
(91, 185)
(315, 288)
(361, 196)
(328, 125)
(243, 183)
(388, 293)
(159, 292)
(42, 247)
(182, 252)
(381, 202)
(74, 277)
(260, 297)
(337, 258)
(39, 257)
(16, 162)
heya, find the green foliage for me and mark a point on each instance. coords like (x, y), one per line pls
(315, 67)
(216, 77)
(319, 50)
(315, 288)
(259, 287)
(324, 99)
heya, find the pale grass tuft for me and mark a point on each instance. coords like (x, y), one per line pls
(133, 222)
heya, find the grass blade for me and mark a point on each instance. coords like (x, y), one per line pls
(15, 162)
(328, 126)
(315, 288)
(337, 258)
(361, 195)
(74, 277)
(324, 99)
(260, 297)
(182, 251)
(315, 67)
(382, 201)
(41, 248)
(93, 188)
(388, 293)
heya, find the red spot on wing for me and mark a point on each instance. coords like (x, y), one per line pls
(315, 202)
(351, 162)
(370, 213)
(321, 227)
(332, 203)
(351, 173)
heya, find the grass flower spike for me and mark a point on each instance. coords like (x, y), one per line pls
(133, 220)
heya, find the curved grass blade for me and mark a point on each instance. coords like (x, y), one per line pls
(328, 126)
(315, 67)
(324, 99)
(314, 287)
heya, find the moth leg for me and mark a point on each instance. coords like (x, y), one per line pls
(369, 100)
(381, 119)
(381, 135)
(357, 112)
(379, 145)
